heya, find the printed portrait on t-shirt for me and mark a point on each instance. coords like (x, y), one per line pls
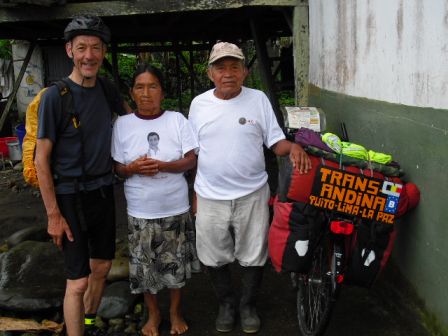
(153, 144)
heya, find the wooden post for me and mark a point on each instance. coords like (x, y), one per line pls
(189, 65)
(301, 47)
(265, 68)
(191, 73)
(17, 83)
(115, 72)
(266, 76)
(178, 75)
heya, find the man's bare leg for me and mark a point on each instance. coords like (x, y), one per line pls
(97, 279)
(178, 324)
(73, 306)
(151, 328)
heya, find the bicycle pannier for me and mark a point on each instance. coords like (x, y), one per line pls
(371, 249)
(293, 234)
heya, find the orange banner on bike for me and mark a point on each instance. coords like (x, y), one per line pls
(355, 194)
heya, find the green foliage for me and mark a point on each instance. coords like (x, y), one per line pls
(200, 69)
(172, 103)
(126, 66)
(174, 82)
(5, 49)
(433, 324)
(286, 98)
(167, 62)
(253, 81)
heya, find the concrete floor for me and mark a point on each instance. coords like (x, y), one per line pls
(379, 311)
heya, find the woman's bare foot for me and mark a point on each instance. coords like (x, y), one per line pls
(151, 328)
(178, 324)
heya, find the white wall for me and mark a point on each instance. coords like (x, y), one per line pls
(389, 50)
(32, 81)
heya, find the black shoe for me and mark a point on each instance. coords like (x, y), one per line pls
(225, 320)
(250, 322)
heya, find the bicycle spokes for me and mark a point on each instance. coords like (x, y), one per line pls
(314, 295)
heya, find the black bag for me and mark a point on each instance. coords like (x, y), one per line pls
(371, 248)
(295, 228)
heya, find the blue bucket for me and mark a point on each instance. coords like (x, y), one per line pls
(20, 131)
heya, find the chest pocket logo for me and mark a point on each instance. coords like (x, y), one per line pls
(244, 121)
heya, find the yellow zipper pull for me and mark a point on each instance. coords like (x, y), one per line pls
(76, 123)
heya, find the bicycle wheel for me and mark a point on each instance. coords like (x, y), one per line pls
(314, 293)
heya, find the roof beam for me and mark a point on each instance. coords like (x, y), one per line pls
(128, 8)
(162, 48)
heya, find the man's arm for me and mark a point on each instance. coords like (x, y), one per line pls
(57, 225)
(298, 156)
(179, 166)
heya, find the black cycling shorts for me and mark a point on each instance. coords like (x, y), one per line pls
(91, 217)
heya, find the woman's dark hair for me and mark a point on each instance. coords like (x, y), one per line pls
(144, 67)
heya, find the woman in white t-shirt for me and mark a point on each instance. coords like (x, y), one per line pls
(161, 234)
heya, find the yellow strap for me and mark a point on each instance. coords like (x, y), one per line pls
(89, 321)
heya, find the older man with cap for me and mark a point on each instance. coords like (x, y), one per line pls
(232, 122)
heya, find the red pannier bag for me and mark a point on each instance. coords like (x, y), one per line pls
(292, 235)
(297, 187)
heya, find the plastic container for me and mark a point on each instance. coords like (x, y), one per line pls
(4, 145)
(20, 131)
(304, 116)
(15, 153)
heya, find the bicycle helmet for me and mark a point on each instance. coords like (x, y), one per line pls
(87, 25)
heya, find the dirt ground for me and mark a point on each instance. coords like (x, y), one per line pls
(20, 205)
(383, 310)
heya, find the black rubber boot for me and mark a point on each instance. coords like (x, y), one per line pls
(250, 283)
(222, 284)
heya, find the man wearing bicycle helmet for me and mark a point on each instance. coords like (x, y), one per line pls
(74, 169)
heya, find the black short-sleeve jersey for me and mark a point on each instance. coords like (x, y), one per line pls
(95, 119)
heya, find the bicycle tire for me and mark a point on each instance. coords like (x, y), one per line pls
(315, 293)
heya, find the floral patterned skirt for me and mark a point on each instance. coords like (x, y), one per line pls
(162, 252)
